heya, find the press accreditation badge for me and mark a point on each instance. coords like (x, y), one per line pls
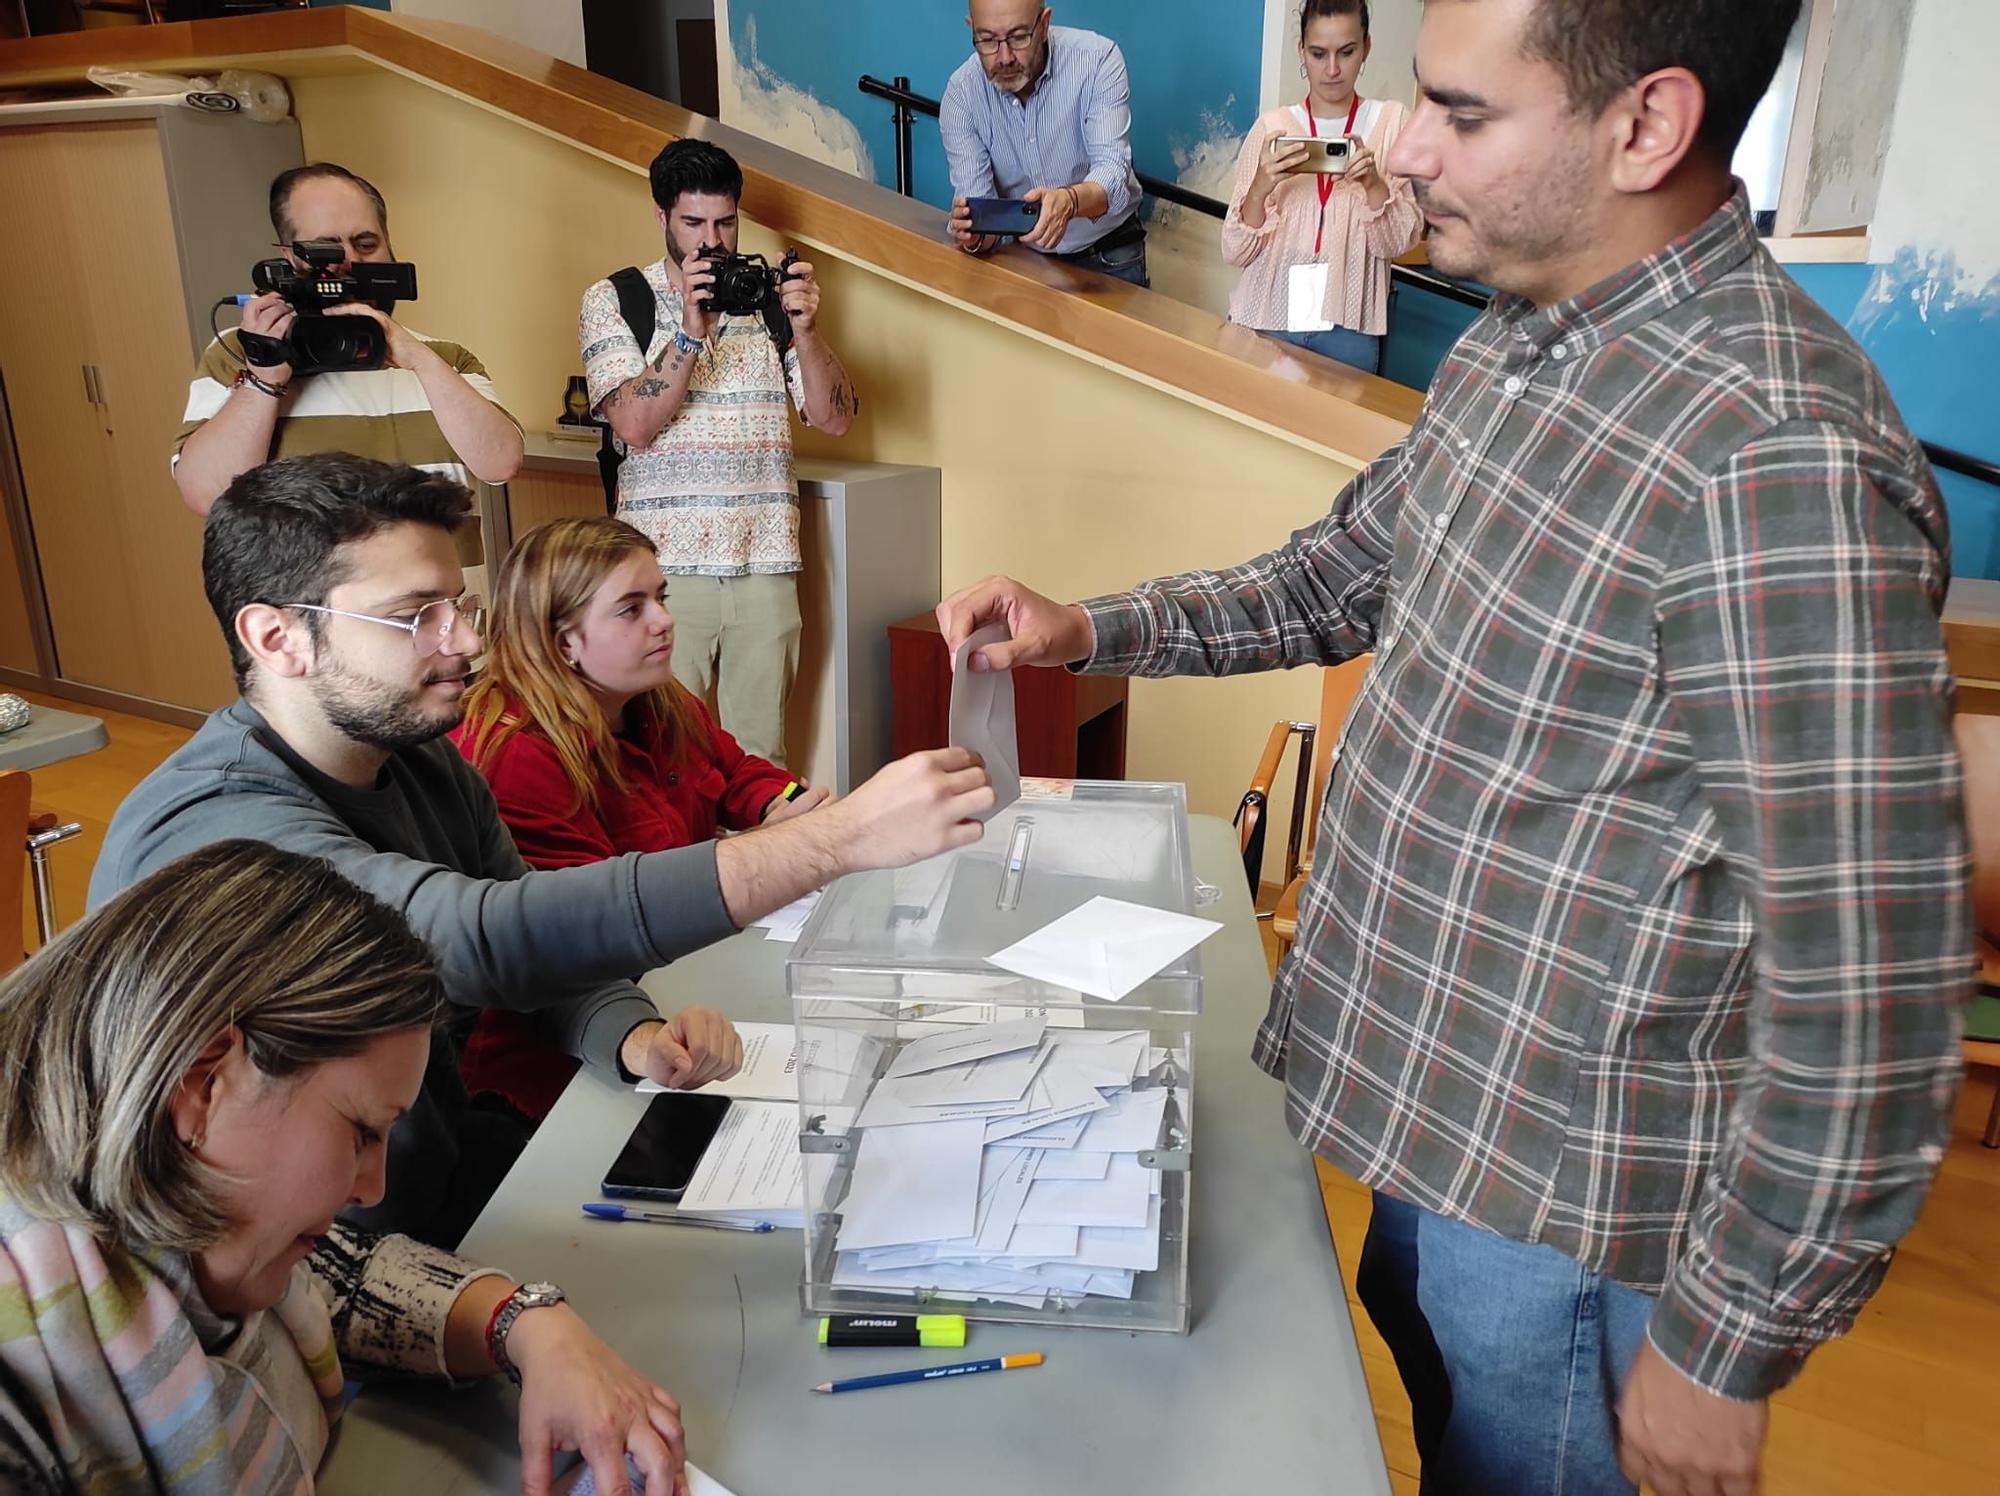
(1305, 299)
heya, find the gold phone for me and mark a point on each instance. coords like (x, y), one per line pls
(1326, 156)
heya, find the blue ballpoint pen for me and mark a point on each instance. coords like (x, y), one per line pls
(663, 1218)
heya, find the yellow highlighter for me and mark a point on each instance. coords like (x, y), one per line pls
(893, 1329)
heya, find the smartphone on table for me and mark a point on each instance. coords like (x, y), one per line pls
(665, 1148)
(1009, 217)
(1326, 155)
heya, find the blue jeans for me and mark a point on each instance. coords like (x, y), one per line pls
(1126, 261)
(1513, 1355)
(1358, 350)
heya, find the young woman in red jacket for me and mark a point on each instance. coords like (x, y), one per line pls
(593, 749)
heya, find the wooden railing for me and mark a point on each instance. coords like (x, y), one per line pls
(1309, 401)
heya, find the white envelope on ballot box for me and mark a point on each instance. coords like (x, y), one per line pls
(1106, 947)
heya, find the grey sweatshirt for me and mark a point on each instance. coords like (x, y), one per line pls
(427, 840)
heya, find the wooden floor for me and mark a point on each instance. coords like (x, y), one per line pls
(87, 790)
(1909, 1403)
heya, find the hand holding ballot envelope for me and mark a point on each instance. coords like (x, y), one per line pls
(982, 717)
(1040, 631)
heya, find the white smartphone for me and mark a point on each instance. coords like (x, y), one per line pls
(1326, 155)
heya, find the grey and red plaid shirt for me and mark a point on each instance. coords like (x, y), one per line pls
(1638, 921)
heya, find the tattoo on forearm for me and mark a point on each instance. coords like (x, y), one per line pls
(842, 399)
(649, 388)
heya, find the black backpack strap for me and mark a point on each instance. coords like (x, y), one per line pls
(636, 305)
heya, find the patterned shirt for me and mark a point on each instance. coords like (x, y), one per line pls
(715, 492)
(1072, 128)
(1638, 921)
(115, 1375)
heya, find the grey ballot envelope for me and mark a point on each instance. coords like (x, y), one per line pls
(982, 717)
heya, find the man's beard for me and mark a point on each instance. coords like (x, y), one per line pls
(1029, 69)
(1541, 219)
(376, 713)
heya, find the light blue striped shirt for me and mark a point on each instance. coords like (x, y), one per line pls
(1073, 127)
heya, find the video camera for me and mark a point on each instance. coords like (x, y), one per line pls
(747, 285)
(318, 343)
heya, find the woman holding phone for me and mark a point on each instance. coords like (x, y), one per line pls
(1315, 243)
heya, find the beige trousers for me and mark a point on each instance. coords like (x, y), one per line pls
(736, 642)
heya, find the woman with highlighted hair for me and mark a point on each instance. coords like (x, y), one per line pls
(593, 750)
(200, 1078)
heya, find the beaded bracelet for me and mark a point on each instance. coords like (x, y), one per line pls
(244, 376)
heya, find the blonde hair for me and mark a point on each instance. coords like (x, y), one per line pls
(98, 1030)
(544, 585)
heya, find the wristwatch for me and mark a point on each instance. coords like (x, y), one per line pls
(685, 344)
(527, 1296)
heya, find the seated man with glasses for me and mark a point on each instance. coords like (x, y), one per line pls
(430, 404)
(340, 595)
(1042, 112)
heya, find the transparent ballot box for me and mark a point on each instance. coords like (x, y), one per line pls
(983, 1141)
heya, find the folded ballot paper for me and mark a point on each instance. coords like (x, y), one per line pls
(1106, 947)
(999, 1161)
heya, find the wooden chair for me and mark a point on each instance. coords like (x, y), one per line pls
(1979, 745)
(34, 834)
(1339, 685)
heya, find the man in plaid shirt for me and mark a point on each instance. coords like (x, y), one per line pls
(1629, 966)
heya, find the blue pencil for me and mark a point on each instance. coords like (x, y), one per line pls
(932, 1373)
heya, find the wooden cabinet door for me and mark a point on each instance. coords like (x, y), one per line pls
(163, 643)
(94, 282)
(44, 355)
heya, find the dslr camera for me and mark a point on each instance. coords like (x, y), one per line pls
(318, 343)
(747, 285)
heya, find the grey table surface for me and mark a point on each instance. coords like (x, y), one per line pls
(1265, 1393)
(50, 737)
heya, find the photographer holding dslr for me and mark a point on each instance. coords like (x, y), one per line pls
(690, 362)
(325, 374)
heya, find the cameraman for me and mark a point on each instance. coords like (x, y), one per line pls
(708, 474)
(430, 405)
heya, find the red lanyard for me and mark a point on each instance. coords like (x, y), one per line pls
(1325, 183)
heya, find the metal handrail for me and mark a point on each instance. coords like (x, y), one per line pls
(909, 103)
(1959, 462)
(898, 93)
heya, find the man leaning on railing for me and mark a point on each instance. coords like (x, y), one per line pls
(1042, 113)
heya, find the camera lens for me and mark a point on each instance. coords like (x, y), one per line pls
(322, 343)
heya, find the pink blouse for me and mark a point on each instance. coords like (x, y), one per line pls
(1358, 242)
